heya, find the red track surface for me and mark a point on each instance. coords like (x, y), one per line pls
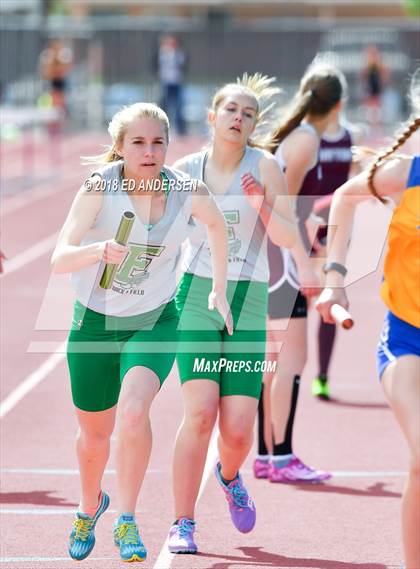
(351, 522)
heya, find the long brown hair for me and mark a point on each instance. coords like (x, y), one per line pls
(321, 88)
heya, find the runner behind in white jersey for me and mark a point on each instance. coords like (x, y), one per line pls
(250, 188)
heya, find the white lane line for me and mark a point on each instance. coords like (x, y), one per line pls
(46, 559)
(29, 255)
(366, 474)
(75, 472)
(46, 471)
(40, 511)
(11, 204)
(64, 471)
(50, 511)
(33, 380)
(164, 560)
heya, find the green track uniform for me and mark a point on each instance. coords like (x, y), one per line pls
(207, 351)
(102, 349)
(135, 322)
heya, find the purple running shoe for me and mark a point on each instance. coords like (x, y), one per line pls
(261, 468)
(242, 508)
(296, 471)
(181, 537)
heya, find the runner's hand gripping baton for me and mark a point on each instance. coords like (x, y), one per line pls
(341, 316)
(121, 237)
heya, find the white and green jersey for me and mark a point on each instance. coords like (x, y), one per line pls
(146, 278)
(247, 258)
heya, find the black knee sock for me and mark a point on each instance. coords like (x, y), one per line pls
(262, 448)
(285, 447)
(326, 336)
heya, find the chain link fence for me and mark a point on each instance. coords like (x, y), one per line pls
(113, 59)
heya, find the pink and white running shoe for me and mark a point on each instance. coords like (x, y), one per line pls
(261, 468)
(296, 471)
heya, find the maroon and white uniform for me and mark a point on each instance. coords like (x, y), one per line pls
(284, 299)
(335, 158)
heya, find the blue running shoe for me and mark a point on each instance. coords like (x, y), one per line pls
(126, 537)
(241, 507)
(82, 537)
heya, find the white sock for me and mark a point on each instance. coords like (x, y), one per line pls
(280, 460)
(263, 457)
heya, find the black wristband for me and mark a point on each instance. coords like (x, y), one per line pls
(327, 267)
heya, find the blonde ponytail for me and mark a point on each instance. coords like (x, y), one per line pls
(110, 155)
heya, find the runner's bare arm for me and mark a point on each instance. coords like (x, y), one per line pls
(205, 210)
(277, 213)
(390, 182)
(68, 255)
(298, 165)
